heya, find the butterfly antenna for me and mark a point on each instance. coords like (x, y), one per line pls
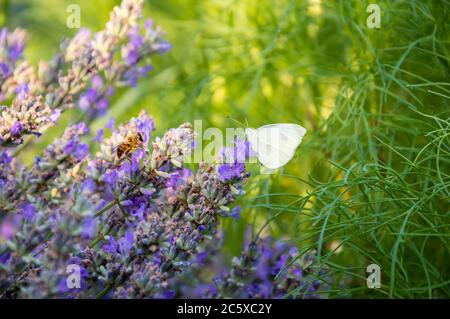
(234, 120)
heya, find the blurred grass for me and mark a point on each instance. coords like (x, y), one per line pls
(372, 174)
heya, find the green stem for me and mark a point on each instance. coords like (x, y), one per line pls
(22, 146)
(105, 291)
(104, 209)
(99, 238)
(4, 251)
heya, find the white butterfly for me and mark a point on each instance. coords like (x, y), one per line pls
(275, 144)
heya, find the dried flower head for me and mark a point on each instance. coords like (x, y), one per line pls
(30, 115)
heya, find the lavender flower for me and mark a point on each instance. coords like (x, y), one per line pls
(155, 225)
(29, 115)
(8, 181)
(51, 175)
(162, 215)
(96, 59)
(12, 45)
(265, 269)
(133, 226)
(269, 269)
(232, 159)
(230, 171)
(94, 101)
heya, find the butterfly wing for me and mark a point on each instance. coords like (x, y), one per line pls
(275, 144)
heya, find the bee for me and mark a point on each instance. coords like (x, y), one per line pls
(129, 145)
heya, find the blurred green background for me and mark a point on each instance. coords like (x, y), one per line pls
(370, 182)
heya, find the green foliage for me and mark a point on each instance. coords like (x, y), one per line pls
(370, 182)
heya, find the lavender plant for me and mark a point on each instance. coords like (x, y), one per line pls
(12, 73)
(133, 225)
(83, 73)
(265, 269)
(152, 216)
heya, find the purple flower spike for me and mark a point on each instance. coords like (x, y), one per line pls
(99, 137)
(89, 227)
(16, 129)
(126, 243)
(28, 211)
(236, 212)
(164, 47)
(110, 125)
(76, 149)
(229, 171)
(111, 247)
(4, 70)
(22, 91)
